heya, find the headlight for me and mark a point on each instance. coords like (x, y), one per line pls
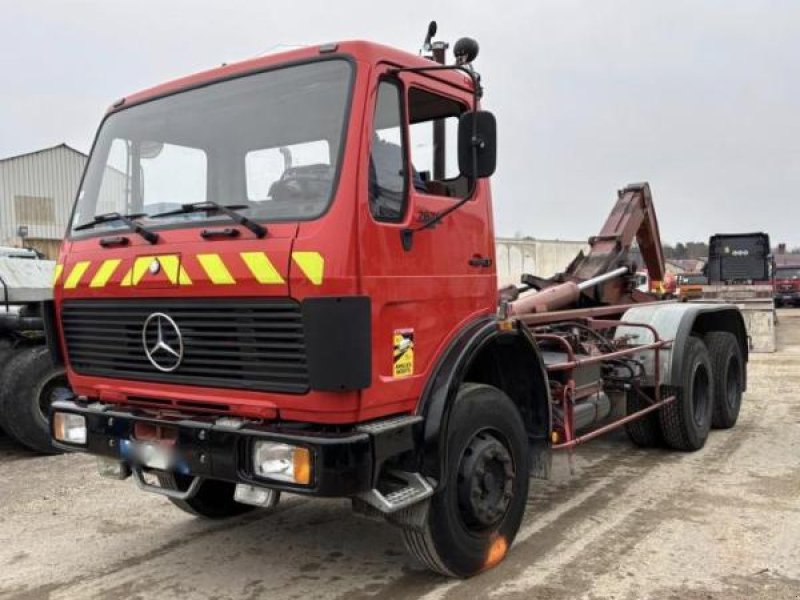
(69, 428)
(282, 462)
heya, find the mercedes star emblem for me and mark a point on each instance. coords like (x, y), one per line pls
(162, 341)
(154, 267)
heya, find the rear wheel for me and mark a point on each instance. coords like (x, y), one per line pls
(213, 500)
(728, 366)
(30, 383)
(645, 431)
(475, 515)
(685, 423)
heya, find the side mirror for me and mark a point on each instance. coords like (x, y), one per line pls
(477, 133)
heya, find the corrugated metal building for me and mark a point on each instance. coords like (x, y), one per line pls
(37, 190)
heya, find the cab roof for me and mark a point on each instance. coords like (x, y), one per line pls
(361, 51)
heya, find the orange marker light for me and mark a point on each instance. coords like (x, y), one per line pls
(497, 552)
(301, 462)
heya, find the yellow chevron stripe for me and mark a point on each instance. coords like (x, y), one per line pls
(312, 264)
(169, 262)
(137, 271)
(57, 273)
(215, 269)
(75, 275)
(174, 270)
(104, 273)
(261, 267)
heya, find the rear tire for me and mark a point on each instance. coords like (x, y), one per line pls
(474, 517)
(30, 382)
(728, 367)
(213, 500)
(645, 432)
(685, 423)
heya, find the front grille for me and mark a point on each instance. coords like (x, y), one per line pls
(242, 344)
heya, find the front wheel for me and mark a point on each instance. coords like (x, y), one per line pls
(30, 383)
(476, 513)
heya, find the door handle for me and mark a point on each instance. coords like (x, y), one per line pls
(479, 261)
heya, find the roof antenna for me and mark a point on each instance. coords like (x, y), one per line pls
(427, 48)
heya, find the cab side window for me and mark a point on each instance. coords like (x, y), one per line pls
(435, 166)
(387, 162)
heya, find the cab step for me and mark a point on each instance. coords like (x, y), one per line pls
(417, 489)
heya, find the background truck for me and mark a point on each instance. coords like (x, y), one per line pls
(29, 378)
(280, 276)
(786, 284)
(739, 271)
(739, 258)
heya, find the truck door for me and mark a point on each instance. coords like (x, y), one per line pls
(424, 292)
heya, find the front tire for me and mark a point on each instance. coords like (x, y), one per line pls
(475, 515)
(30, 383)
(685, 423)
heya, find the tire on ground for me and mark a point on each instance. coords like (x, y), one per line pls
(213, 500)
(685, 423)
(473, 518)
(645, 431)
(28, 382)
(728, 368)
(6, 353)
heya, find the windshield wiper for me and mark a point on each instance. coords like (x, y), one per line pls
(228, 210)
(129, 220)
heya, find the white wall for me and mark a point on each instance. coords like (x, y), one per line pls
(52, 173)
(537, 257)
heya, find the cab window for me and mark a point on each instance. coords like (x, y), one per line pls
(387, 180)
(435, 169)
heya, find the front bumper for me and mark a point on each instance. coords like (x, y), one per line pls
(343, 463)
(787, 297)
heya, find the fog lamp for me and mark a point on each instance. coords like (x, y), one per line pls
(282, 462)
(69, 428)
(256, 496)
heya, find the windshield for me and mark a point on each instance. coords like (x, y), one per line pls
(787, 273)
(270, 141)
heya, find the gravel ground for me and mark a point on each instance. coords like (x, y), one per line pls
(628, 524)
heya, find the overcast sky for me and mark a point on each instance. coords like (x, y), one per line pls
(698, 97)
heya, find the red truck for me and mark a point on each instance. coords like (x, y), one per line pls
(280, 277)
(786, 284)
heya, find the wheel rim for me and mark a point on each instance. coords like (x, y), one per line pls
(700, 395)
(485, 482)
(732, 383)
(54, 386)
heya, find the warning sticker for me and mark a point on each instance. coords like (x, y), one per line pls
(403, 353)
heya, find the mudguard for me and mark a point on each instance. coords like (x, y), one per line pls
(677, 321)
(439, 395)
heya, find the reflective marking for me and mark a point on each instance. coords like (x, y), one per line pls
(57, 273)
(215, 269)
(75, 276)
(312, 264)
(169, 262)
(104, 273)
(261, 267)
(173, 269)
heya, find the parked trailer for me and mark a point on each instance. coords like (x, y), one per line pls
(29, 378)
(331, 326)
